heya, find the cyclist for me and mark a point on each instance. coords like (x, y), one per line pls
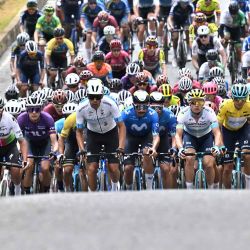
(11, 92)
(153, 57)
(84, 77)
(233, 117)
(169, 98)
(209, 8)
(13, 107)
(78, 66)
(29, 17)
(118, 59)
(142, 124)
(167, 126)
(59, 98)
(11, 133)
(244, 7)
(89, 12)
(198, 130)
(202, 44)
(46, 24)
(39, 129)
(101, 116)
(56, 53)
(72, 81)
(246, 57)
(221, 86)
(180, 17)
(99, 68)
(115, 85)
(30, 68)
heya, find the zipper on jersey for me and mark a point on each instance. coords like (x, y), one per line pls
(98, 121)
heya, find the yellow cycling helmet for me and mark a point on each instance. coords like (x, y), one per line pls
(196, 94)
(165, 89)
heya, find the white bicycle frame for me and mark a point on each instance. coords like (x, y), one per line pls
(6, 177)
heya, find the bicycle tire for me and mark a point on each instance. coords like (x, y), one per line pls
(36, 184)
(157, 182)
(53, 184)
(77, 184)
(4, 188)
(136, 181)
(238, 180)
(74, 39)
(200, 179)
(103, 186)
(182, 179)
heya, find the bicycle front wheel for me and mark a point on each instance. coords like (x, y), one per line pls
(200, 180)
(103, 186)
(4, 188)
(136, 181)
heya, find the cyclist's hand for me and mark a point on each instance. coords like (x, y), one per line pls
(172, 151)
(181, 153)
(223, 150)
(120, 152)
(48, 67)
(60, 158)
(215, 150)
(25, 165)
(52, 156)
(81, 154)
(152, 152)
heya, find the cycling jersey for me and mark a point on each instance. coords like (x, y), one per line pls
(205, 68)
(98, 27)
(206, 122)
(233, 22)
(149, 89)
(145, 3)
(100, 121)
(246, 44)
(244, 6)
(70, 7)
(232, 118)
(89, 14)
(16, 51)
(119, 10)
(47, 27)
(193, 29)
(181, 16)
(167, 122)
(151, 62)
(118, 63)
(104, 72)
(29, 21)
(50, 109)
(36, 131)
(69, 125)
(209, 9)
(165, 3)
(175, 100)
(59, 125)
(140, 126)
(9, 129)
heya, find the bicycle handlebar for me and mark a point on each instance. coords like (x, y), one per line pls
(10, 164)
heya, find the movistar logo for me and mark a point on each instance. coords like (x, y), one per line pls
(139, 128)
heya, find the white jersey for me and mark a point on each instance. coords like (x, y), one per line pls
(101, 120)
(205, 123)
(9, 129)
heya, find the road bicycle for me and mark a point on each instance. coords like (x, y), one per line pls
(166, 39)
(232, 63)
(59, 80)
(6, 180)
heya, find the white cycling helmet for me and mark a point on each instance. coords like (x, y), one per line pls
(70, 95)
(175, 109)
(72, 79)
(185, 84)
(48, 92)
(203, 30)
(215, 72)
(33, 101)
(122, 95)
(95, 87)
(31, 46)
(80, 95)
(13, 107)
(22, 38)
(133, 69)
(23, 103)
(69, 108)
(185, 72)
(109, 30)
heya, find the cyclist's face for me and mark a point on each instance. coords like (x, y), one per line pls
(31, 10)
(99, 64)
(92, 5)
(142, 86)
(116, 52)
(48, 17)
(197, 105)
(157, 107)
(95, 101)
(167, 101)
(210, 97)
(239, 103)
(141, 109)
(59, 40)
(183, 5)
(151, 49)
(109, 38)
(34, 113)
(204, 39)
(58, 108)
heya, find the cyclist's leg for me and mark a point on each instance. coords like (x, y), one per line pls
(141, 27)
(152, 24)
(35, 81)
(245, 64)
(23, 85)
(163, 15)
(88, 43)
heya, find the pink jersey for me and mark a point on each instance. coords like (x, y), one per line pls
(98, 25)
(217, 101)
(118, 63)
(50, 109)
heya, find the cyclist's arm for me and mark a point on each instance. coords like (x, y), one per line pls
(218, 141)
(23, 148)
(60, 144)
(135, 8)
(170, 21)
(195, 57)
(122, 134)
(54, 143)
(178, 138)
(162, 62)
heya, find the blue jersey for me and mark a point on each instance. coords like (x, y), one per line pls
(118, 10)
(59, 125)
(89, 14)
(246, 44)
(167, 122)
(141, 126)
(244, 6)
(179, 14)
(165, 3)
(146, 3)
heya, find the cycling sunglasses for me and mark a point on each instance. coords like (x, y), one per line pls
(116, 50)
(33, 109)
(151, 46)
(156, 107)
(197, 102)
(237, 99)
(203, 36)
(58, 106)
(141, 107)
(97, 97)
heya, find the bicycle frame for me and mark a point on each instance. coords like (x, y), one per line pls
(181, 48)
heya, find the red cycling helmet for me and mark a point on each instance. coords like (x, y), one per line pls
(86, 75)
(141, 77)
(115, 44)
(162, 79)
(103, 16)
(59, 97)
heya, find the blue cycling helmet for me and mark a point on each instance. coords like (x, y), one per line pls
(239, 91)
(106, 91)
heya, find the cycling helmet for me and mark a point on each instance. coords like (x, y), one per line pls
(128, 102)
(31, 46)
(79, 62)
(58, 32)
(185, 72)
(115, 44)
(72, 79)
(36, 94)
(132, 69)
(240, 80)
(185, 84)
(33, 101)
(122, 95)
(86, 75)
(103, 16)
(221, 90)
(13, 107)
(239, 91)
(59, 97)
(152, 41)
(22, 38)
(212, 55)
(140, 96)
(69, 108)
(211, 105)
(109, 30)
(162, 79)
(157, 97)
(70, 95)
(210, 88)
(80, 94)
(196, 94)
(248, 87)
(140, 63)
(11, 92)
(31, 3)
(175, 109)
(23, 103)
(233, 7)
(203, 30)
(141, 77)
(43, 96)
(219, 80)
(95, 87)
(166, 90)
(48, 9)
(216, 71)
(106, 90)
(48, 92)
(200, 17)
(98, 56)
(115, 84)
(115, 97)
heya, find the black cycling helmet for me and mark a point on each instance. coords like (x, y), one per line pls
(98, 56)
(212, 55)
(115, 84)
(31, 3)
(233, 7)
(58, 32)
(11, 92)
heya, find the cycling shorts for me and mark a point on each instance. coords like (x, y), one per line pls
(39, 148)
(163, 148)
(132, 144)
(46, 36)
(10, 153)
(25, 77)
(143, 12)
(110, 140)
(185, 25)
(55, 63)
(164, 13)
(234, 33)
(231, 137)
(201, 144)
(71, 148)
